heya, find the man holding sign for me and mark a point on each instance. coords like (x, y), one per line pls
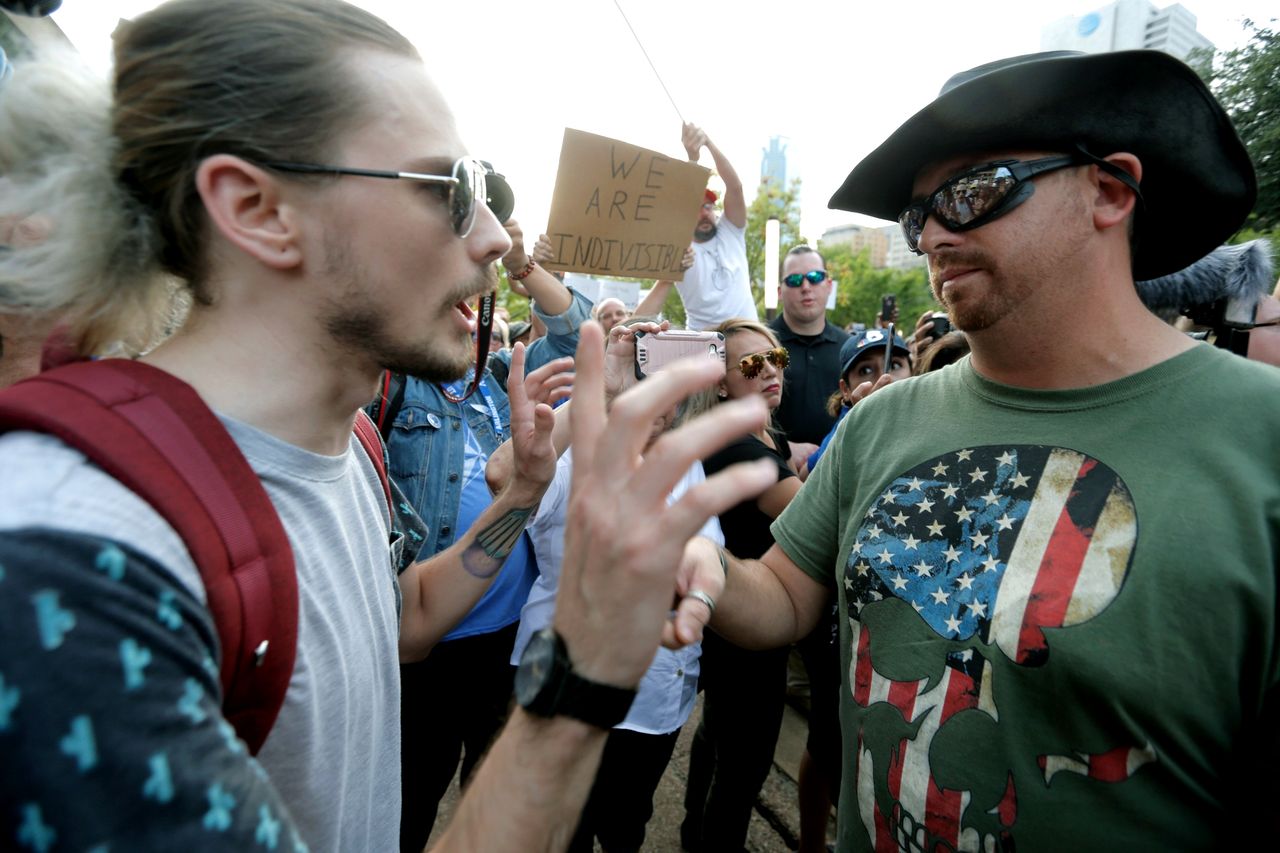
(718, 287)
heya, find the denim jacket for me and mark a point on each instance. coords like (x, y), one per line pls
(426, 443)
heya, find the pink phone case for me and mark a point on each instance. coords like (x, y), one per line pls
(655, 351)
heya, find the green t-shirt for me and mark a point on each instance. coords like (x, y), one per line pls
(1058, 608)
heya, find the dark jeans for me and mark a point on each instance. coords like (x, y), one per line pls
(732, 748)
(822, 660)
(621, 800)
(452, 705)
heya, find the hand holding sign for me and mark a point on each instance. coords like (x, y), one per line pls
(622, 210)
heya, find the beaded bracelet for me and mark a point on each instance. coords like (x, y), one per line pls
(523, 274)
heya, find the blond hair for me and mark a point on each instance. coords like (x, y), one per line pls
(704, 401)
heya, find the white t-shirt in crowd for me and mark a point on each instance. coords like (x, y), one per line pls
(718, 286)
(667, 691)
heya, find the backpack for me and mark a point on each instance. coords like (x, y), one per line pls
(153, 433)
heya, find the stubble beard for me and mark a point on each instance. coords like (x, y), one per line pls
(1049, 242)
(360, 327)
(975, 312)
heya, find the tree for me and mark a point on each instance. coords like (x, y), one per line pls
(1246, 81)
(771, 202)
(859, 288)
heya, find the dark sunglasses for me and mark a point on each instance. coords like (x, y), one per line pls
(796, 279)
(466, 184)
(984, 193)
(752, 364)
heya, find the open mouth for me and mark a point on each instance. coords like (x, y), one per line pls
(468, 315)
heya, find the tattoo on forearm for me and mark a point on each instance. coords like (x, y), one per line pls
(492, 545)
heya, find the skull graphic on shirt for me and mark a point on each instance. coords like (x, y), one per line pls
(990, 547)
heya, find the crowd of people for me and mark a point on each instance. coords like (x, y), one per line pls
(1027, 550)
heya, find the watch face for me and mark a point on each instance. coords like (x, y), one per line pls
(535, 665)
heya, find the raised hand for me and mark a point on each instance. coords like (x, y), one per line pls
(620, 355)
(517, 258)
(532, 419)
(623, 543)
(694, 138)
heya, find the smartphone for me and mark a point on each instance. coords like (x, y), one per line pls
(655, 351)
(888, 349)
(888, 304)
(941, 325)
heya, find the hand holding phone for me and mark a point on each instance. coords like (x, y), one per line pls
(941, 325)
(888, 309)
(657, 350)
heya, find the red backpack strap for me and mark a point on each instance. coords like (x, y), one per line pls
(153, 433)
(371, 441)
(382, 410)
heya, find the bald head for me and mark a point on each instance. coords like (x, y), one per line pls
(609, 312)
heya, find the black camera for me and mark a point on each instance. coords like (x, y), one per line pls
(501, 200)
(941, 325)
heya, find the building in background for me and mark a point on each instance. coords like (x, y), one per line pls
(1127, 25)
(773, 162)
(898, 256)
(857, 238)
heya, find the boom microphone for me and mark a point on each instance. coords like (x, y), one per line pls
(1240, 273)
(1220, 291)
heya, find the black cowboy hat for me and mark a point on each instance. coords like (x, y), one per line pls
(1198, 184)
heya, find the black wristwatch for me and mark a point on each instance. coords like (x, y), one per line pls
(547, 686)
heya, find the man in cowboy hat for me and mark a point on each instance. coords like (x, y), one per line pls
(1057, 589)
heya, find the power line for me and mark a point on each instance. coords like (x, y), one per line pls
(650, 61)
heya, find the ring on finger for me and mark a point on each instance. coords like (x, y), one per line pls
(703, 597)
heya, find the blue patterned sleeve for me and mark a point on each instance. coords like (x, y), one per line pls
(110, 721)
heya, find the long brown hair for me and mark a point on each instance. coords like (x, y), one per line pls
(260, 80)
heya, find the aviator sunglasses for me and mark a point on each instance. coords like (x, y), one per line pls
(979, 195)
(467, 183)
(752, 364)
(814, 277)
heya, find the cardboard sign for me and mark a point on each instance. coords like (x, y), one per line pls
(622, 210)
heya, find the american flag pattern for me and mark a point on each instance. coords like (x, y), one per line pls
(989, 546)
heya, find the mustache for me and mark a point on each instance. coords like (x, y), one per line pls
(940, 263)
(484, 281)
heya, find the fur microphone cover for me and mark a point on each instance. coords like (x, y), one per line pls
(1232, 272)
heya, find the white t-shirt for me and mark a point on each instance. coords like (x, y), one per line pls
(718, 286)
(665, 697)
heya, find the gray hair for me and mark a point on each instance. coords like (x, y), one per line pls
(72, 244)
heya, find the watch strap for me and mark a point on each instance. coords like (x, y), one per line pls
(601, 705)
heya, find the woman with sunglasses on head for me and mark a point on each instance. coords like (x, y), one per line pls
(733, 747)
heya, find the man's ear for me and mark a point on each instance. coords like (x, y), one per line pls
(1115, 201)
(244, 204)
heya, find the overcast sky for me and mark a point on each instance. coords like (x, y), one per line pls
(833, 77)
